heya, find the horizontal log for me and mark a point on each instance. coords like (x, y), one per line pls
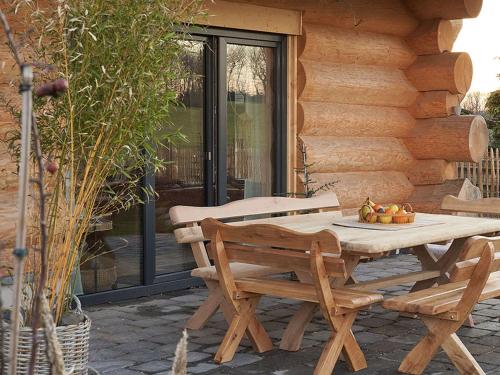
(433, 37)
(431, 172)
(350, 120)
(354, 84)
(447, 9)
(335, 45)
(454, 138)
(428, 198)
(430, 104)
(352, 188)
(356, 154)
(382, 16)
(450, 71)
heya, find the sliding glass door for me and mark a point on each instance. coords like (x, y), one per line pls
(231, 148)
(230, 112)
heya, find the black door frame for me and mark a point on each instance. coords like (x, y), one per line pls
(215, 111)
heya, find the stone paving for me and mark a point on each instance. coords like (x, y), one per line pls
(140, 336)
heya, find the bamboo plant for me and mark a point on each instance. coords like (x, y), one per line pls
(122, 60)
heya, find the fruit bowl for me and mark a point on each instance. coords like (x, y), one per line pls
(393, 214)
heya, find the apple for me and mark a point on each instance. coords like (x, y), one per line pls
(389, 211)
(365, 210)
(371, 218)
(385, 219)
(394, 207)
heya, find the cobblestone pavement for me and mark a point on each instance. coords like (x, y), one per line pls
(140, 336)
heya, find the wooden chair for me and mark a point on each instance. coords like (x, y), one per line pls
(272, 246)
(190, 217)
(444, 308)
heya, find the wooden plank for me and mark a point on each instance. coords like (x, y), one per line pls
(346, 298)
(384, 282)
(281, 258)
(272, 235)
(368, 242)
(242, 16)
(251, 206)
(483, 206)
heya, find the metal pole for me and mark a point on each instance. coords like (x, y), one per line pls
(20, 251)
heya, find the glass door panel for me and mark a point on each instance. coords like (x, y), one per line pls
(183, 180)
(250, 124)
(113, 253)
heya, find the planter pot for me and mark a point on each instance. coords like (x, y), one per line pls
(74, 341)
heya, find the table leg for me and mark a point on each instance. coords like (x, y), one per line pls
(294, 332)
(443, 264)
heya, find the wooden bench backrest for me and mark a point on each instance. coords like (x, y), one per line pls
(274, 246)
(485, 206)
(470, 256)
(191, 216)
(479, 269)
(252, 206)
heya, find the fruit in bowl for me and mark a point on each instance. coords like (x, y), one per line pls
(372, 213)
(385, 219)
(372, 218)
(365, 210)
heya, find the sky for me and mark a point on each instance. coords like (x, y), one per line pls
(480, 37)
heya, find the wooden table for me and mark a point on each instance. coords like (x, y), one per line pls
(357, 243)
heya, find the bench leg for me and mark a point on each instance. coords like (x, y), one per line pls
(240, 323)
(208, 308)
(460, 356)
(441, 334)
(334, 346)
(421, 355)
(294, 332)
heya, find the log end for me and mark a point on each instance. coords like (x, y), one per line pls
(463, 73)
(478, 139)
(473, 8)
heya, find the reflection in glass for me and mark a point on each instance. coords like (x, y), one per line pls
(182, 182)
(113, 254)
(250, 106)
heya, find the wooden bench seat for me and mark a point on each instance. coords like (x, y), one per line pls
(348, 298)
(445, 308)
(442, 298)
(240, 270)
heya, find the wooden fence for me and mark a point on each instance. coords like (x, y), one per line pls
(485, 175)
(185, 165)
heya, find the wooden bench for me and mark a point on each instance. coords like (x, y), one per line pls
(444, 308)
(267, 245)
(190, 217)
(480, 207)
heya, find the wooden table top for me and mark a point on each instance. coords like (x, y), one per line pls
(371, 242)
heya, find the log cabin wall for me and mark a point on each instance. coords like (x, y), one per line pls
(377, 85)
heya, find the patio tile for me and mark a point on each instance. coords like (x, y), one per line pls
(104, 366)
(140, 336)
(242, 359)
(153, 366)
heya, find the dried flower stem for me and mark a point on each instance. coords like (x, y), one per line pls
(40, 292)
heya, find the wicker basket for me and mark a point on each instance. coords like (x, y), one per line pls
(74, 341)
